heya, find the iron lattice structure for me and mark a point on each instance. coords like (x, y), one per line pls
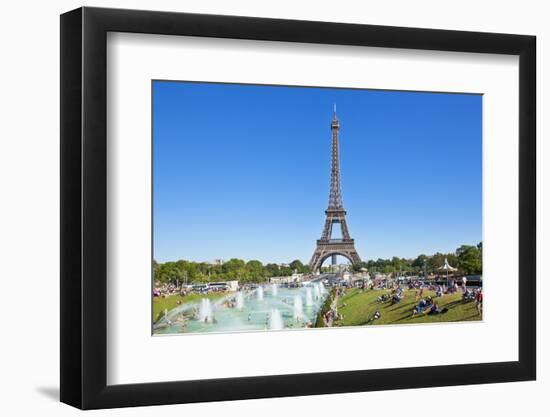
(335, 214)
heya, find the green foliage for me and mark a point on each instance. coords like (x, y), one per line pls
(358, 267)
(468, 260)
(234, 269)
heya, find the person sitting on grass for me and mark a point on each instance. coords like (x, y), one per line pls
(376, 316)
(419, 308)
(423, 305)
(468, 295)
(382, 298)
(434, 309)
(429, 301)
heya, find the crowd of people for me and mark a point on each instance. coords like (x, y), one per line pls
(428, 304)
(165, 289)
(332, 315)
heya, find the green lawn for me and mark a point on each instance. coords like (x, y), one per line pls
(160, 304)
(360, 306)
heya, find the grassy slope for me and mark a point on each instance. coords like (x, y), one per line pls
(319, 322)
(360, 306)
(170, 302)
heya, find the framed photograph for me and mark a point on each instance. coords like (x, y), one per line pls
(258, 208)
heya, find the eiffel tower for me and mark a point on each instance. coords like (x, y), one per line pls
(336, 214)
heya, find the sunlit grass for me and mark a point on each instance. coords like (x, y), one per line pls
(160, 304)
(359, 306)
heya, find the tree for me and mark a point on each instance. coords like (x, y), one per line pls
(420, 261)
(272, 270)
(469, 259)
(255, 270)
(480, 248)
(359, 266)
(297, 266)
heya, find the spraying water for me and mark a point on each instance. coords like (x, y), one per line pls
(276, 320)
(260, 293)
(298, 307)
(239, 301)
(226, 314)
(316, 291)
(309, 297)
(205, 311)
(274, 289)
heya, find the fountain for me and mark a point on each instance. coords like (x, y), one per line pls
(168, 321)
(276, 320)
(322, 288)
(274, 289)
(205, 311)
(298, 307)
(316, 292)
(241, 311)
(260, 293)
(309, 297)
(239, 300)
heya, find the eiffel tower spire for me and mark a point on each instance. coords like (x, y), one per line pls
(335, 213)
(335, 195)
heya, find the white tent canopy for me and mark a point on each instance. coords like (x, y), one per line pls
(447, 267)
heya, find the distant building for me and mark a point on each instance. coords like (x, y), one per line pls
(217, 262)
(288, 279)
(341, 268)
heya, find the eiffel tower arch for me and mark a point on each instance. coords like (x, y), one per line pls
(335, 214)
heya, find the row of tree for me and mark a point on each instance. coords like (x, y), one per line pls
(233, 269)
(467, 258)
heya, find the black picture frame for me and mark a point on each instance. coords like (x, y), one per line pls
(84, 207)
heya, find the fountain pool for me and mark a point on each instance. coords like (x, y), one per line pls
(277, 309)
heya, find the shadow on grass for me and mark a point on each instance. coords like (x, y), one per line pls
(402, 306)
(453, 303)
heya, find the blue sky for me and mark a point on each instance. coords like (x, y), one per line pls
(243, 170)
